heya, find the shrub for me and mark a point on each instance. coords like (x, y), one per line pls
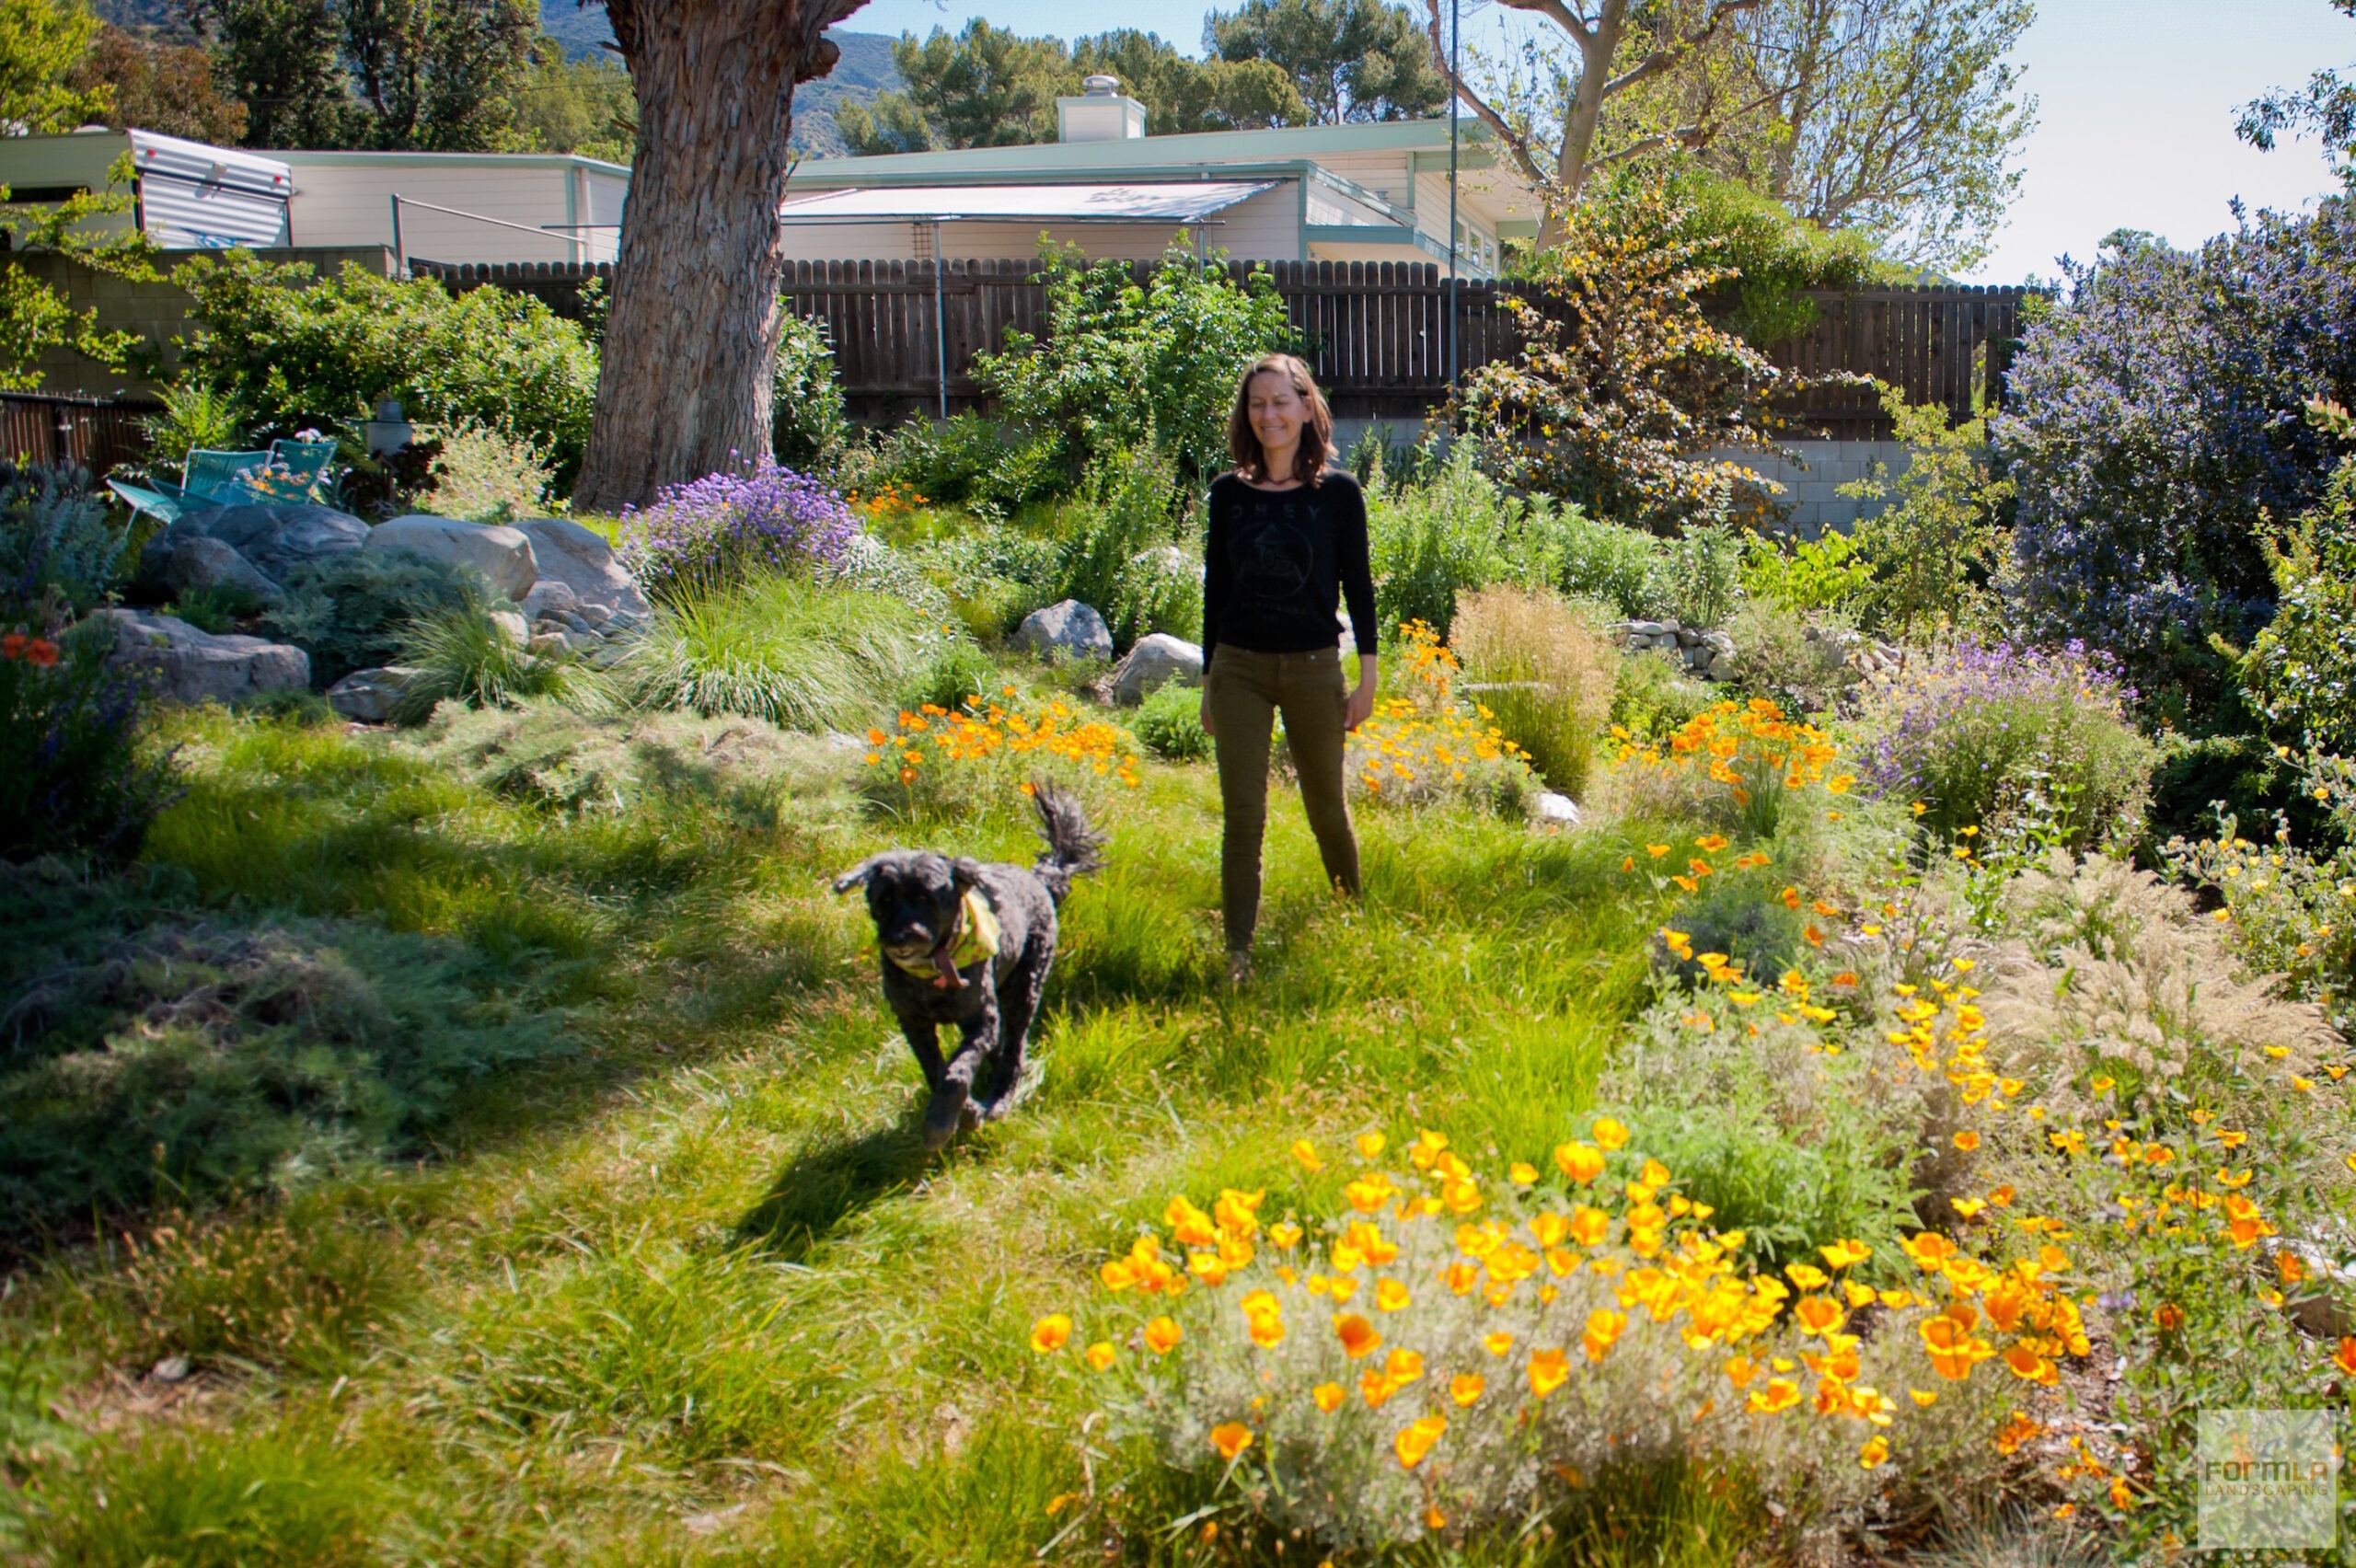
(809, 430)
(968, 457)
(986, 756)
(1978, 731)
(1771, 257)
(2259, 783)
(55, 543)
(801, 656)
(1932, 549)
(1170, 723)
(1431, 540)
(1126, 365)
(295, 350)
(484, 475)
(1829, 572)
(725, 528)
(994, 576)
(1623, 379)
(216, 607)
(1426, 745)
(1625, 568)
(461, 654)
(1653, 696)
(1778, 656)
(2154, 419)
(194, 415)
(955, 670)
(1114, 535)
(1546, 678)
(1737, 765)
(2300, 671)
(1373, 1377)
(868, 565)
(1705, 574)
(73, 777)
(350, 611)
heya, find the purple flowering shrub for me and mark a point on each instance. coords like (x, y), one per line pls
(2156, 423)
(727, 527)
(1975, 732)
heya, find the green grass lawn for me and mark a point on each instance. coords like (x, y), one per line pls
(671, 1279)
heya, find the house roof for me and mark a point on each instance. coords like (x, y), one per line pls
(1202, 149)
(1062, 202)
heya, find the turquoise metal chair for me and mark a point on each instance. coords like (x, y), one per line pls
(157, 498)
(216, 476)
(305, 461)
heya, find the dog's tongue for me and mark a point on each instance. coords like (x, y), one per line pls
(950, 979)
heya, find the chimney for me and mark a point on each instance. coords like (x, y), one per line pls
(1101, 113)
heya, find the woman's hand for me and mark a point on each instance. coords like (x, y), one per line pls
(1359, 708)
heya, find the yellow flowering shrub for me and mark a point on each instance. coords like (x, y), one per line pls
(1426, 746)
(983, 754)
(1435, 1353)
(1738, 765)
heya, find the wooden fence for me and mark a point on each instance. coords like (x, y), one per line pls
(97, 433)
(1377, 334)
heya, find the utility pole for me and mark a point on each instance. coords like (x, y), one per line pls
(1455, 74)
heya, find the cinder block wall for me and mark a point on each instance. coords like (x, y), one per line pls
(156, 311)
(1809, 489)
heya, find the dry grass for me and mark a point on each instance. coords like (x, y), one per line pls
(1549, 677)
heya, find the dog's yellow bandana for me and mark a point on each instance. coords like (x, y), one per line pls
(977, 938)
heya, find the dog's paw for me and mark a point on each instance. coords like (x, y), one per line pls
(951, 1112)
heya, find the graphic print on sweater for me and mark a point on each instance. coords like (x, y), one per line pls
(1273, 559)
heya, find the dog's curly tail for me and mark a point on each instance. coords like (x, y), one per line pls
(1072, 845)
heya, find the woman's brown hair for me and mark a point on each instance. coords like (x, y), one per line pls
(1316, 430)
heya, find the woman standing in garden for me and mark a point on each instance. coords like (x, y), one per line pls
(1286, 544)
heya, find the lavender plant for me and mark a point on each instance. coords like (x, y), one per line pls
(1979, 728)
(725, 528)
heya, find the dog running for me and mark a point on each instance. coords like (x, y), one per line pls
(969, 943)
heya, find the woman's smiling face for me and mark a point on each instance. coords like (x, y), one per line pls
(1276, 413)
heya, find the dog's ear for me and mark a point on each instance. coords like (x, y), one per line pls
(858, 875)
(965, 871)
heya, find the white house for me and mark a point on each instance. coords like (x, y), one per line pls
(1376, 192)
(441, 206)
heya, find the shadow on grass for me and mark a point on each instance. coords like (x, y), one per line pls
(829, 1182)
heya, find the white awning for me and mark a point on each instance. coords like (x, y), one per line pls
(1164, 203)
(203, 197)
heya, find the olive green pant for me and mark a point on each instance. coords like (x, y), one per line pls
(1245, 691)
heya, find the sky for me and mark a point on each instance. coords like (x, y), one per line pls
(2136, 106)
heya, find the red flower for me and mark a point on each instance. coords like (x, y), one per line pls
(42, 651)
(13, 645)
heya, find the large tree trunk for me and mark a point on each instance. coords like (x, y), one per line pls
(683, 386)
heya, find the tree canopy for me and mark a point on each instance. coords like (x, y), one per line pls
(1351, 60)
(987, 87)
(2324, 109)
(40, 43)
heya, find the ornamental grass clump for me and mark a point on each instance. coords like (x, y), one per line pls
(1981, 730)
(1426, 746)
(1419, 1352)
(1546, 677)
(725, 528)
(801, 655)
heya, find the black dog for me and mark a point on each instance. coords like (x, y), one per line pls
(970, 944)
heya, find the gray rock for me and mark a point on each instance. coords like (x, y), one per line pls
(502, 554)
(584, 562)
(1553, 807)
(605, 655)
(200, 561)
(1643, 629)
(1718, 640)
(546, 642)
(370, 696)
(576, 624)
(1687, 638)
(595, 614)
(193, 666)
(1155, 661)
(171, 1369)
(1722, 666)
(1067, 627)
(549, 596)
(1167, 560)
(518, 629)
(277, 539)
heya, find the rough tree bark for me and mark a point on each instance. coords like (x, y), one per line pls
(683, 386)
(1561, 170)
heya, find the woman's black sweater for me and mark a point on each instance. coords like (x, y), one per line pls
(1277, 564)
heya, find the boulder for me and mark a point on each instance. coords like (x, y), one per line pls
(502, 554)
(1167, 560)
(199, 562)
(190, 665)
(549, 596)
(1555, 808)
(516, 630)
(1067, 627)
(276, 539)
(582, 561)
(370, 696)
(1155, 661)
